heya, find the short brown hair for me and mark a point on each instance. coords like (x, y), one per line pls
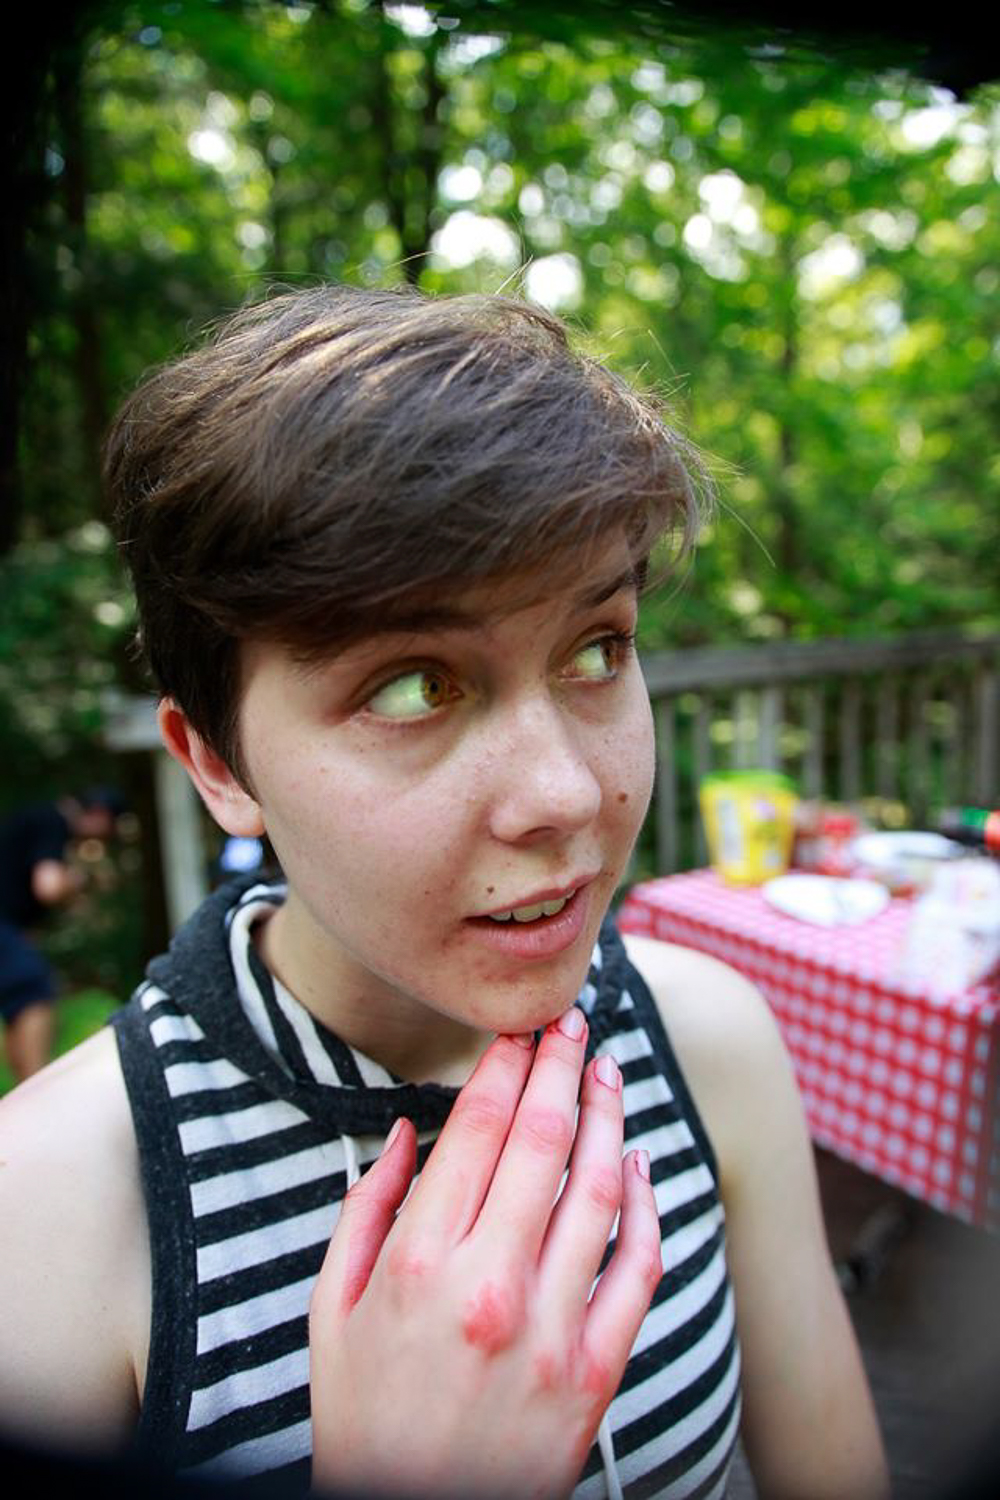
(334, 455)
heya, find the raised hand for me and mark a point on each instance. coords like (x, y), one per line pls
(455, 1345)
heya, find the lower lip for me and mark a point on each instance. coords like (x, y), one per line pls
(543, 938)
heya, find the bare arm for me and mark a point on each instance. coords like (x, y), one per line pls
(809, 1427)
(75, 1286)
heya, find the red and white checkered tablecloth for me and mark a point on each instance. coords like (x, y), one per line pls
(897, 1082)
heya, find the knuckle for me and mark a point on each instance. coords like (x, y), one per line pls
(482, 1114)
(597, 1376)
(493, 1316)
(408, 1266)
(549, 1370)
(603, 1187)
(649, 1266)
(544, 1130)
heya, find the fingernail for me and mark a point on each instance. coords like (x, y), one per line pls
(572, 1023)
(393, 1133)
(642, 1164)
(606, 1072)
(522, 1038)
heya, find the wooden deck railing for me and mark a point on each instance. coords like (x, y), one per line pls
(913, 721)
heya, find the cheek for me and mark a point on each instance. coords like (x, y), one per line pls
(353, 833)
(631, 764)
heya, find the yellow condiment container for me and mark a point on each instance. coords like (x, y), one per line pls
(749, 821)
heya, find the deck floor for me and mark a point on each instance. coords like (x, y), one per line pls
(926, 1309)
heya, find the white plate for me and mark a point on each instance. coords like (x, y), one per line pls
(881, 851)
(826, 901)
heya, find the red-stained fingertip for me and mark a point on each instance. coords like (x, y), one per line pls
(524, 1039)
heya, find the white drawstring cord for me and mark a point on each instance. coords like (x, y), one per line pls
(606, 1444)
(351, 1160)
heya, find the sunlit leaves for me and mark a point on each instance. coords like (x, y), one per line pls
(803, 259)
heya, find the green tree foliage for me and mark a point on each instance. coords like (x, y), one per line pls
(801, 255)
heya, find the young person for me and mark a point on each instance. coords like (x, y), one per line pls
(387, 552)
(34, 879)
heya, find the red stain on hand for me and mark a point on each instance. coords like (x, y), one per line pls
(490, 1322)
(548, 1372)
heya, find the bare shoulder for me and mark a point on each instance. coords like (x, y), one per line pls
(699, 994)
(727, 1043)
(75, 1290)
(808, 1422)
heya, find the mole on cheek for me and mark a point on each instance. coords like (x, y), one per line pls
(623, 796)
(490, 889)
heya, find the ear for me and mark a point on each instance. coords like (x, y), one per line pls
(230, 804)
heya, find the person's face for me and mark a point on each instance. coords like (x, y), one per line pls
(419, 783)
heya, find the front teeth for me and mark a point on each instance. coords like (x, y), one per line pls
(531, 913)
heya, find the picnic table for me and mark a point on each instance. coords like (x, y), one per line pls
(895, 1079)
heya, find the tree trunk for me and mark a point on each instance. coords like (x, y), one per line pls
(88, 361)
(22, 191)
(788, 545)
(409, 177)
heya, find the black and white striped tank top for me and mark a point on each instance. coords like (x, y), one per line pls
(252, 1119)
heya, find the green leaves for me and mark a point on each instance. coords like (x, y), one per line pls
(800, 255)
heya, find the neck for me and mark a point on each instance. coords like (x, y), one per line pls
(408, 1038)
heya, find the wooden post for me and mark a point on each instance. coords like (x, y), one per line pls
(887, 732)
(702, 759)
(666, 788)
(745, 723)
(179, 814)
(812, 776)
(850, 739)
(987, 767)
(918, 779)
(769, 728)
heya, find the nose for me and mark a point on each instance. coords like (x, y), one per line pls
(544, 776)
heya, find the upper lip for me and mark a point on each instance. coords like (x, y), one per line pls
(549, 893)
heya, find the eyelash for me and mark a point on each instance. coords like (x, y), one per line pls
(622, 643)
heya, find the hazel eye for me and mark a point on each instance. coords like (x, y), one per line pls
(413, 695)
(601, 660)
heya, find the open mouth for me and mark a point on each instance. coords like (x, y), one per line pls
(541, 929)
(532, 913)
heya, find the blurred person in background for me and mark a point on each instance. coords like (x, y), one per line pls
(36, 875)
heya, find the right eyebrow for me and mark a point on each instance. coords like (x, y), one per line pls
(423, 619)
(419, 619)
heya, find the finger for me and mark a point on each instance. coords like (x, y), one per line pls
(518, 1207)
(632, 1275)
(585, 1214)
(458, 1172)
(366, 1216)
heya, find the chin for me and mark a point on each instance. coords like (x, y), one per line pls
(545, 1006)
